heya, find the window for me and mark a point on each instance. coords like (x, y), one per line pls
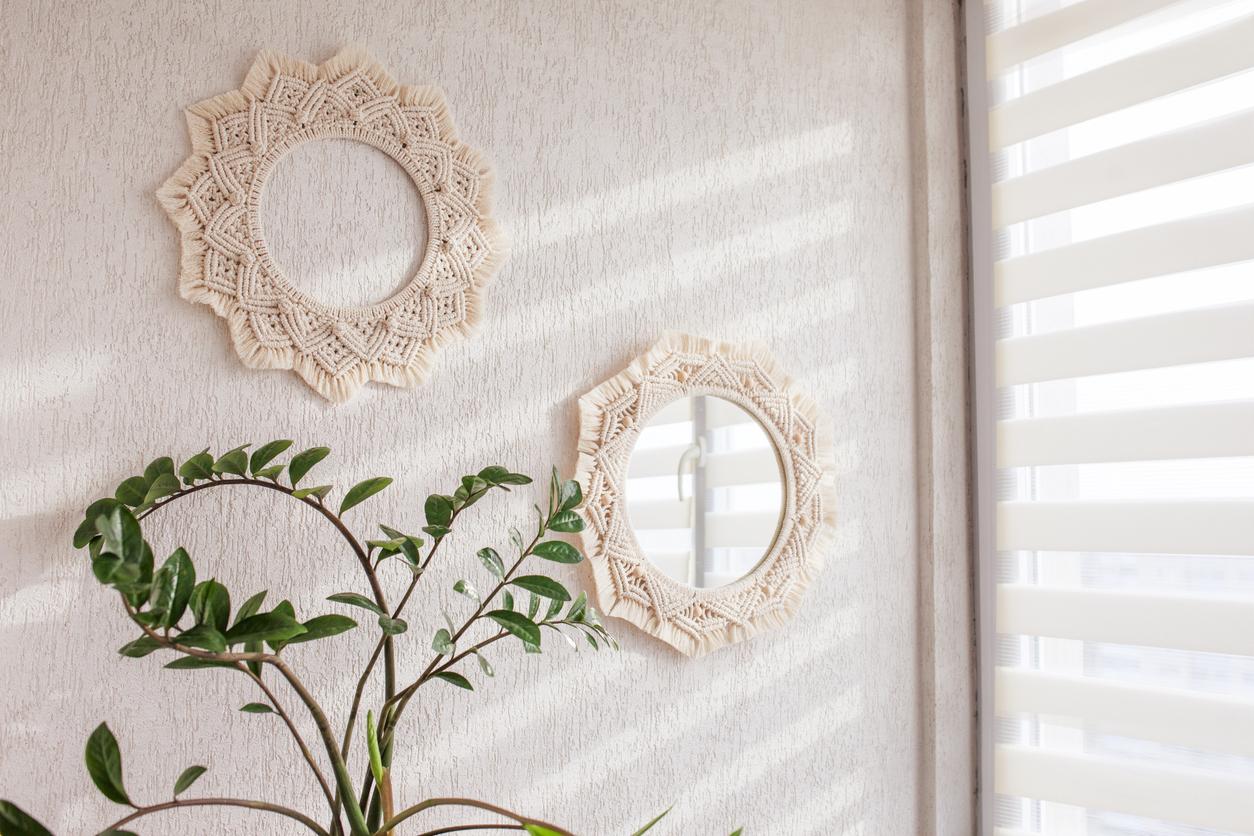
(1113, 221)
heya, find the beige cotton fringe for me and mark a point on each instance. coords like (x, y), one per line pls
(696, 621)
(214, 199)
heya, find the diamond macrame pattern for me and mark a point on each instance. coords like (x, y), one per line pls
(214, 199)
(696, 621)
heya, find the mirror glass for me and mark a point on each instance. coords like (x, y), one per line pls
(704, 491)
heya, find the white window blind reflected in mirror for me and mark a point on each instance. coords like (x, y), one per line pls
(1122, 204)
(704, 491)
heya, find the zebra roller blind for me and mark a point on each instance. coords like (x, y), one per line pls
(1119, 209)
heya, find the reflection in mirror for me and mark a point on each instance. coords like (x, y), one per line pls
(704, 491)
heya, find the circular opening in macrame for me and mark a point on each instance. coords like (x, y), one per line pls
(343, 222)
(215, 199)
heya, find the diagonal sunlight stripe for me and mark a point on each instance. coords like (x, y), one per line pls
(695, 266)
(645, 197)
(722, 697)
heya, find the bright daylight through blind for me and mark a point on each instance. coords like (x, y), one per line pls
(1122, 141)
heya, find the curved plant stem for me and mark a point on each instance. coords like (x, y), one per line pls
(221, 802)
(522, 821)
(358, 550)
(461, 828)
(356, 818)
(300, 742)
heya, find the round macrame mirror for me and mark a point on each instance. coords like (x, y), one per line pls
(215, 198)
(727, 539)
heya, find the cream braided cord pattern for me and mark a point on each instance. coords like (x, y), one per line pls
(214, 199)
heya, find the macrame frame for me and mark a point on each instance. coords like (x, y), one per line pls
(214, 199)
(696, 621)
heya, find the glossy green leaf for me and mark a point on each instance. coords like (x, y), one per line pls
(204, 636)
(555, 607)
(159, 466)
(493, 474)
(443, 642)
(362, 491)
(14, 821)
(256, 708)
(172, 588)
(569, 496)
(188, 777)
(356, 599)
(233, 461)
(265, 627)
(455, 679)
(492, 561)
(87, 530)
(132, 490)
(251, 607)
(567, 522)
(738, 831)
(265, 454)
(468, 589)
(515, 537)
(190, 663)
(484, 665)
(114, 832)
(517, 624)
(319, 491)
(540, 585)
(140, 647)
(650, 825)
(393, 626)
(322, 627)
(121, 535)
(558, 551)
(577, 607)
(198, 467)
(164, 485)
(533, 606)
(211, 604)
(104, 764)
(515, 479)
(271, 472)
(438, 510)
(507, 599)
(302, 463)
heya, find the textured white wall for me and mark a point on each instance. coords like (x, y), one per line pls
(764, 170)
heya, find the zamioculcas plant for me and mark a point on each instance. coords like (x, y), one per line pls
(193, 620)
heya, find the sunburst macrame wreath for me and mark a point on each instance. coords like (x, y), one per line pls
(215, 198)
(696, 621)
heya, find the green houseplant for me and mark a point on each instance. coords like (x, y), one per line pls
(176, 614)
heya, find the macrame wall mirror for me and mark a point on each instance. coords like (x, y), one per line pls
(215, 198)
(708, 500)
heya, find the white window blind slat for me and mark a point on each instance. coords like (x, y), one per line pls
(1212, 146)
(1204, 57)
(740, 530)
(1182, 527)
(1176, 247)
(1222, 332)
(1204, 623)
(1188, 796)
(1056, 29)
(1117, 537)
(1168, 715)
(1182, 432)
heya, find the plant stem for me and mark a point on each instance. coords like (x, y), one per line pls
(355, 816)
(221, 802)
(466, 802)
(460, 828)
(300, 742)
(358, 550)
